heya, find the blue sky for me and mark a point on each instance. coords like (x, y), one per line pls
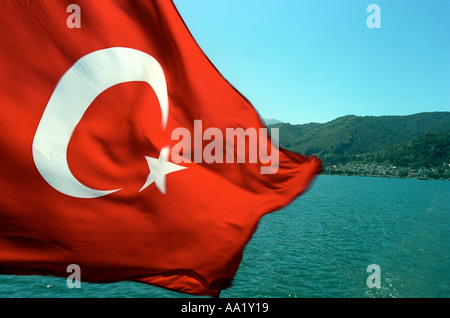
(303, 61)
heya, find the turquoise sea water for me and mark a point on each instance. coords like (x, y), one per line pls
(321, 246)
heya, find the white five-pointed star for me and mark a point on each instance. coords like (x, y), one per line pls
(159, 168)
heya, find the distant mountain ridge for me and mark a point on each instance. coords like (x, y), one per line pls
(351, 136)
(269, 122)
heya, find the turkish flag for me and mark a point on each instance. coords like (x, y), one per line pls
(116, 149)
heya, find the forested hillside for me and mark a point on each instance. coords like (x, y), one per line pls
(414, 141)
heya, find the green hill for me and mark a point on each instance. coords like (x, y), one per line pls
(426, 151)
(401, 140)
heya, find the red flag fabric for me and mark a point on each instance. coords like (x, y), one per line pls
(117, 152)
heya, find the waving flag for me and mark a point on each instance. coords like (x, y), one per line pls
(125, 151)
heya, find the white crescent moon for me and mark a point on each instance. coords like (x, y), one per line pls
(74, 93)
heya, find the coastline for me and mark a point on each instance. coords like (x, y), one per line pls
(379, 171)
